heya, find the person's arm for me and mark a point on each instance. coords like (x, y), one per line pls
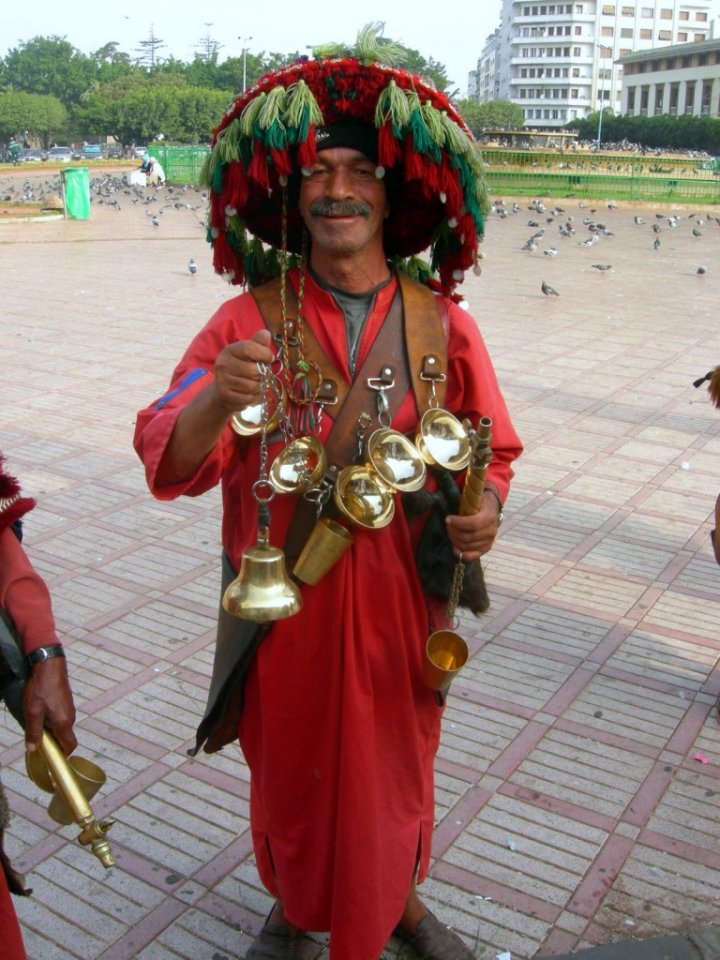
(47, 698)
(235, 384)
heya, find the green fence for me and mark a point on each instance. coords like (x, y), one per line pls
(555, 173)
(181, 164)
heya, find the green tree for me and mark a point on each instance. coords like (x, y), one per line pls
(44, 117)
(493, 115)
(49, 66)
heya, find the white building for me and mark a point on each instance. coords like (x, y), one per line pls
(558, 60)
(680, 79)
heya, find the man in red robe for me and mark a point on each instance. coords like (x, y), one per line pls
(338, 728)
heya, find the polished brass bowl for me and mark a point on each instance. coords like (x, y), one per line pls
(248, 421)
(397, 460)
(442, 440)
(299, 466)
(363, 497)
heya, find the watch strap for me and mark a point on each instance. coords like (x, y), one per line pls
(41, 654)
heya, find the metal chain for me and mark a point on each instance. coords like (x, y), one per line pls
(455, 588)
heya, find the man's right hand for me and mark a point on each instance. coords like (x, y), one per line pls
(237, 377)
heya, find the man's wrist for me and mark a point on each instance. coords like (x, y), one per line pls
(501, 506)
(41, 654)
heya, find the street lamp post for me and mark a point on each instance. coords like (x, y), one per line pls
(244, 56)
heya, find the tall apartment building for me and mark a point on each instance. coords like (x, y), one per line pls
(558, 60)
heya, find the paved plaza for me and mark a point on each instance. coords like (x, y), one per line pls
(578, 780)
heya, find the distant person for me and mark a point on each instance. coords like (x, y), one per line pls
(14, 151)
(152, 168)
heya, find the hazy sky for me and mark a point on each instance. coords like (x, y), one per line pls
(456, 39)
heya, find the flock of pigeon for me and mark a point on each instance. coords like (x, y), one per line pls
(588, 228)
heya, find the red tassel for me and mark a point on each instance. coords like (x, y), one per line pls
(390, 150)
(414, 167)
(258, 169)
(306, 151)
(237, 186)
(281, 162)
(225, 261)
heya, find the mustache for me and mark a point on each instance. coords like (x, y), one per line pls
(339, 208)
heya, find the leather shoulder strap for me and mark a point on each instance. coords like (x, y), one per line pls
(425, 340)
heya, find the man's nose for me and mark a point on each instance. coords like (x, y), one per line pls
(339, 184)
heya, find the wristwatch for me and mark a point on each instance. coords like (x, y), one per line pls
(45, 653)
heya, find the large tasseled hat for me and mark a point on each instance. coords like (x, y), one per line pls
(13, 505)
(431, 163)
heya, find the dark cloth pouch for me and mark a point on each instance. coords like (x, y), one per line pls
(236, 645)
(434, 556)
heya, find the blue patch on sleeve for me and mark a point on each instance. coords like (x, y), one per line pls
(186, 381)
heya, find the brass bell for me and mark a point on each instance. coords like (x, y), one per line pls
(262, 590)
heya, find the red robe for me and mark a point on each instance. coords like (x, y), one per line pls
(338, 730)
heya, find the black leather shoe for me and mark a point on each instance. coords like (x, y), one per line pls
(435, 941)
(274, 942)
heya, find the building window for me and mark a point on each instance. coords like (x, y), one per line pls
(631, 100)
(578, 31)
(607, 31)
(689, 97)
(705, 97)
(659, 93)
(666, 35)
(665, 14)
(627, 33)
(682, 37)
(699, 37)
(701, 16)
(609, 9)
(647, 12)
(684, 15)
(645, 34)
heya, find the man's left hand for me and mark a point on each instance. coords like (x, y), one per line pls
(48, 703)
(474, 535)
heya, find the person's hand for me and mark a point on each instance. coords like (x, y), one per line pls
(48, 703)
(237, 378)
(474, 535)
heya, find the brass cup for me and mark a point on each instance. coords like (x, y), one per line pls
(327, 542)
(363, 497)
(442, 440)
(248, 421)
(88, 777)
(397, 460)
(299, 466)
(446, 654)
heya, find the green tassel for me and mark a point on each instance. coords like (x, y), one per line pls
(422, 141)
(269, 118)
(249, 115)
(301, 110)
(217, 177)
(455, 140)
(414, 267)
(228, 142)
(369, 48)
(207, 171)
(433, 122)
(393, 102)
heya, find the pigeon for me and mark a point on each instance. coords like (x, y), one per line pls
(656, 242)
(696, 232)
(192, 266)
(602, 266)
(550, 252)
(639, 221)
(155, 222)
(701, 270)
(548, 290)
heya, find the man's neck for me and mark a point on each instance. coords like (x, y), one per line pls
(350, 274)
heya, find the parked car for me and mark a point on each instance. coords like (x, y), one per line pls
(31, 156)
(91, 151)
(139, 152)
(60, 154)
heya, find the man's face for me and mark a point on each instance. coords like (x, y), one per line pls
(343, 203)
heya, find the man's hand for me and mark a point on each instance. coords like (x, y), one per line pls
(237, 378)
(474, 535)
(48, 703)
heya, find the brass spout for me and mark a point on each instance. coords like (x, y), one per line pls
(73, 782)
